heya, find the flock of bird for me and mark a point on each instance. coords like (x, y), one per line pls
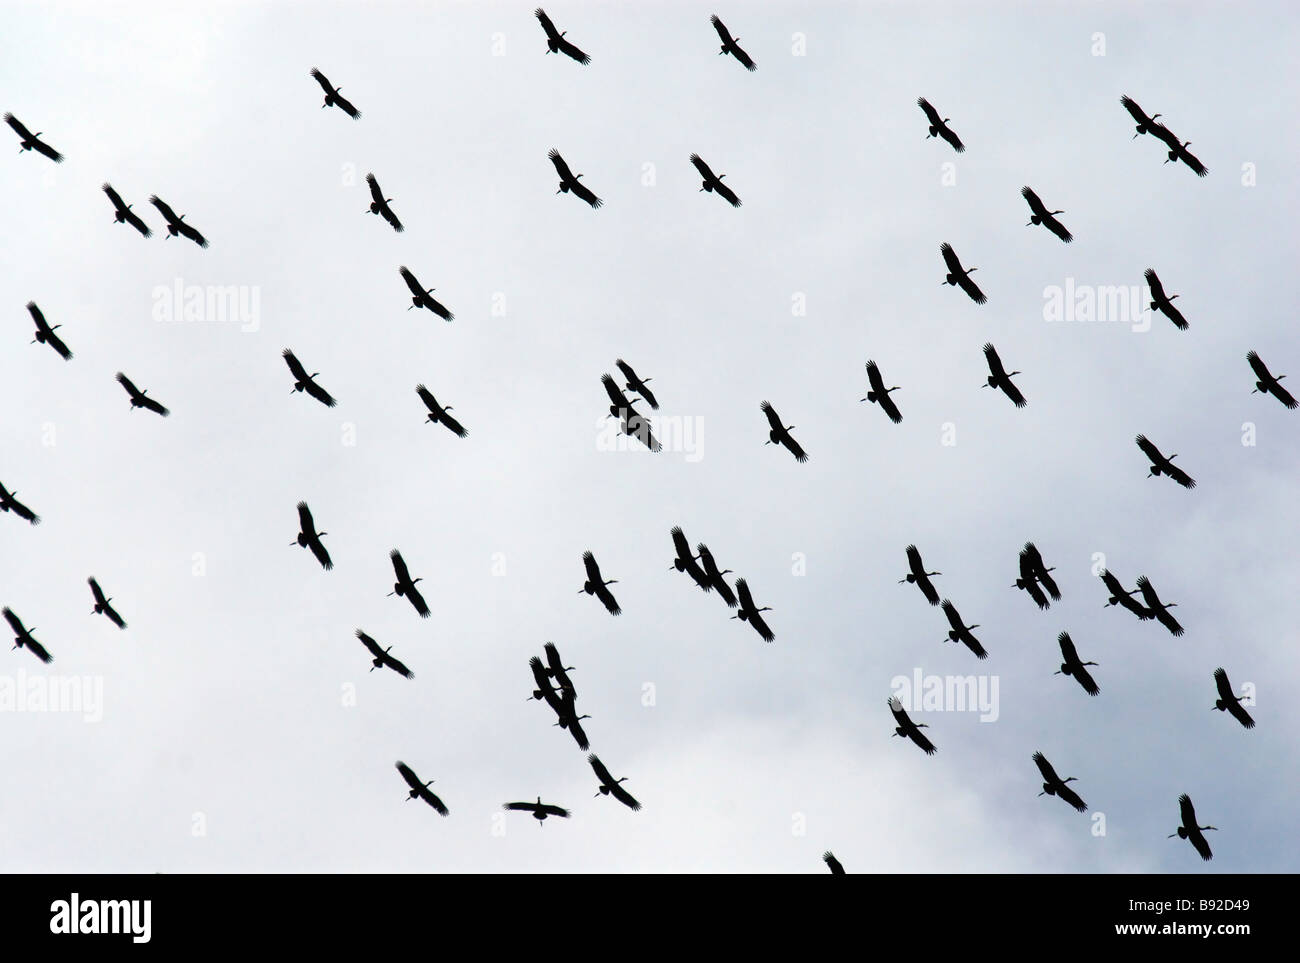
(551, 680)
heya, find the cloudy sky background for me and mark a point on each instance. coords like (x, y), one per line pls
(225, 697)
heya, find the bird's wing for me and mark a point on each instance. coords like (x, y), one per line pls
(560, 166)
(954, 617)
(100, 599)
(1258, 366)
(113, 616)
(133, 219)
(1136, 112)
(1168, 621)
(193, 234)
(625, 797)
(682, 546)
(164, 209)
(553, 810)
(1049, 583)
(705, 171)
(607, 597)
(927, 589)
(1283, 395)
(295, 366)
(320, 394)
(1071, 797)
(397, 666)
(1035, 204)
(417, 600)
(374, 648)
(995, 363)
(44, 148)
(1036, 594)
(411, 282)
(322, 555)
(1239, 713)
(1148, 449)
(592, 567)
(305, 520)
(648, 395)
(1180, 476)
(375, 192)
(746, 599)
(1199, 843)
(1174, 315)
(726, 193)
(409, 775)
(584, 192)
(951, 137)
(875, 380)
(601, 772)
(950, 258)
(616, 396)
(114, 196)
(1112, 583)
(523, 807)
(546, 23)
(1085, 679)
(38, 650)
(38, 317)
(628, 373)
(23, 512)
(128, 384)
(931, 114)
(576, 730)
(724, 592)
(391, 218)
(1186, 156)
(18, 127)
(437, 804)
(1045, 767)
(322, 80)
(973, 644)
(918, 737)
(1153, 282)
(761, 627)
(346, 106)
(1148, 593)
(972, 289)
(1057, 228)
(399, 566)
(571, 50)
(452, 425)
(743, 57)
(829, 859)
(795, 449)
(55, 342)
(155, 406)
(14, 621)
(773, 419)
(1186, 810)
(721, 28)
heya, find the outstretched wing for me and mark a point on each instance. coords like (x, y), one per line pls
(1186, 156)
(452, 425)
(114, 196)
(1035, 204)
(1180, 476)
(995, 363)
(592, 567)
(616, 396)
(829, 859)
(192, 233)
(761, 627)
(409, 775)
(164, 209)
(1011, 391)
(950, 258)
(375, 192)
(726, 193)
(1136, 112)
(773, 419)
(399, 566)
(561, 167)
(417, 600)
(295, 366)
(570, 50)
(972, 289)
(411, 282)
(320, 394)
(1045, 767)
(607, 598)
(546, 23)
(705, 171)
(721, 28)
(931, 114)
(1148, 449)
(18, 127)
(374, 648)
(305, 520)
(1056, 227)
(794, 447)
(582, 191)
(1153, 282)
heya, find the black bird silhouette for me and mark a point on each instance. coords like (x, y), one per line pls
(1041, 215)
(779, 434)
(959, 276)
(619, 403)
(420, 296)
(379, 204)
(1054, 785)
(8, 503)
(686, 562)
(1190, 831)
(1178, 150)
(1230, 702)
(595, 585)
(23, 637)
(32, 141)
(919, 576)
(302, 381)
(308, 537)
(539, 809)
(1040, 571)
(1158, 609)
(123, 213)
(939, 125)
(139, 398)
(405, 586)
(999, 378)
(555, 42)
(569, 719)
(45, 334)
(961, 632)
(570, 182)
(333, 96)
(176, 226)
(609, 786)
(1028, 581)
(909, 729)
(637, 384)
(711, 572)
(1071, 665)
(380, 658)
(102, 606)
(544, 691)
(731, 45)
(1118, 596)
(1164, 303)
(1162, 465)
(420, 790)
(438, 414)
(1145, 124)
(879, 394)
(829, 859)
(713, 182)
(1266, 383)
(749, 612)
(557, 670)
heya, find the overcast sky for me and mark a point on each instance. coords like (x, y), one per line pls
(228, 741)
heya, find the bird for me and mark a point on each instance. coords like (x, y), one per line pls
(333, 96)
(381, 658)
(595, 585)
(102, 606)
(1162, 303)
(1118, 596)
(1040, 570)
(1145, 124)
(420, 790)
(23, 637)
(711, 572)
(555, 42)
(685, 561)
(438, 414)
(1162, 465)
(637, 384)
(879, 394)
(569, 719)
(939, 125)
(1041, 215)
(308, 537)
(1230, 702)
(139, 398)
(999, 378)
(1190, 831)
(713, 182)
(749, 612)
(8, 503)
(379, 204)
(780, 434)
(961, 632)
(958, 276)
(176, 226)
(618, 401)
(919, 576)
(1159, 610)
(909, 729)
(302, 381)
(557, 670)
(609, 786)
(829, 859)
(731, 45)
(539, 809)
(405, 587)
(420, 296)
(1266, 383)
(1178, 150)
(1028, 581)
(569, 182)
(32, 141)
(123, 213)
(1071, 665)
(1054, 785)
(544, 691)
(45, 334)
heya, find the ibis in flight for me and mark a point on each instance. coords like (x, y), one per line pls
(140, 399)
(909, 729)
(379, 204)
(1178, 150)
(1028, 581)
(919, 577)
(333, 95)
(420, 790)
(545, 691)
(637, 384)
(45, 333)
(879, 394)
(308, 537)
(731, 45)
(779, 434)
(595, 585)
(686, 562)
(8, 503)
(176, 226)
(557, 670)
(421, 297)
(302, 381)
(999, 378)
(749, 612)
(555, 43)
(959, 276)
(30, 141)
(1072, 667)
(961, 632)
(1033, 561)
(1267, 384)
(1163, 303)
(570, 182)
(939, 125)
(1190, 831)
(123, 214)
(713, 182)
(1145, 124)
(609, 786)
(438, 414)
(712, 573)
(404, 587)
(1158, 609)
(1120, 596)
(380, 658)
(1054, 785)
(1041, 215)
(539, 809)
(1228, 701)
(1162, 465)
(102, 604)
(23, 637)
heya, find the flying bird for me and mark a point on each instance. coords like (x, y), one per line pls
(749, 612)
(595, 585)
(879, 394)
(713, 182)
(731, 45)
(102, 606)
(123, 213)
(8, 503)
(939, 125)
(1145, 124)
(999, 378)
(308, 537)
(1190, 831)
(1040, 571)
(1072, 667)
(637, 384)
(686, 562)
(379, 204)
(1162, 465)
(45, 334)
(1041, 215)
(1229, 701)
(957, 275)
(569, 182)
(619, 403)
(909, 729)
(1178, 150)
(829, 859)
(961, 632)
(176, 226)
(569, 719)
(405, 586)
(1162, 303)
(302, 381)
(780, 434)
(1266, 383)
(420, 296)
(555, 42)
(1159, 610)
(1118, 596)
(1028, 581)
(557, 670)
(609, 786)
(539, 809)
(1054, 785)
(23, 637)
(380, 658)
(438, 414)
(420, 790)
(32, 141)
(139, 398)
(544, 691)
(711, 572)
(333, 96)
(919, 576)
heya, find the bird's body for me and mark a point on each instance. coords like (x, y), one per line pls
(438, 414)
(1160, 465)
(749, 612)
(1159, 610)
(879, 394)
(421, 297)
(404, 587)
(176, 226)
(939, 125)
(1164, 303)
(1266, 384)
(1229, 701)
(45, 333)
(731, 45)
(908, 729)
(302, 381)
(959, 276)
(712, 183)
(1190, 831)
(123, 214)
(380, 657)
(140, 399)
(332, 96)
(309, 538)
(1041, 215)
(420, 790)
(555, 42)
(779, 434)
(23, 637)
(1054, 785)
(380, 204)
(570, 183)
(999, 378)
(1073, 667)
(961, 632)
(609, 786)
(102, 604)
(30, 141)
(8, 503)
(595, 585)
(918, 576)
